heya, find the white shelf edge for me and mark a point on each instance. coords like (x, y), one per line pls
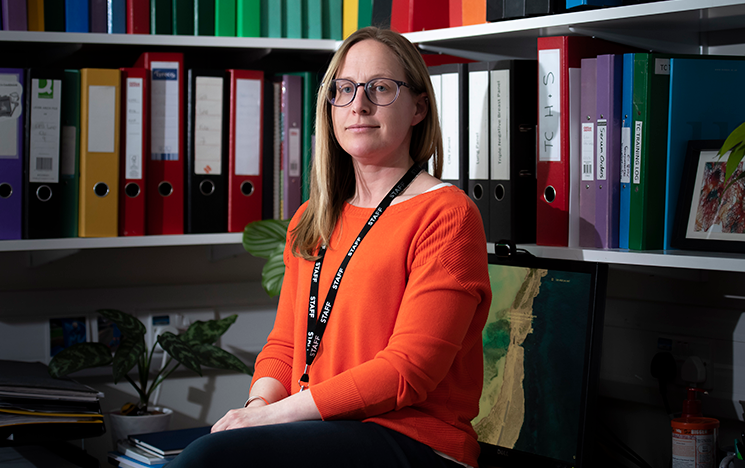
(324, 45)
(717, 261)
(629, 12)
(120, 242)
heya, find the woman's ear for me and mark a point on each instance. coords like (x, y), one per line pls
(422, 107)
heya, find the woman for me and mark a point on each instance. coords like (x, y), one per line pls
(375, 358)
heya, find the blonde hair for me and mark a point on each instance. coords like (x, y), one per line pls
(332, 180)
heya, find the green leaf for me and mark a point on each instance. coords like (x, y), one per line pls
(734, 160)
(207, 332)
(79, 356)
(212, 356)
(127, 355)
(273, 273)
(262, 238)
(179, 351)
(736, 137)
(127, 324)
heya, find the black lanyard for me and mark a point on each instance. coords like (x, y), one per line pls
(317, 326)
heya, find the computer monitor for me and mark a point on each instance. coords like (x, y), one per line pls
(542, 345)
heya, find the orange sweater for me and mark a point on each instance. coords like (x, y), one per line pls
(402, 347)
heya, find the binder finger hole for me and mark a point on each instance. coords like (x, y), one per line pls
(132, 189)
(247, 188)
(499, 192)
(101, 189)
(165, 188)
(478, 192)
(207, 187)
(549, 194)
(6, 190)
(44, 193)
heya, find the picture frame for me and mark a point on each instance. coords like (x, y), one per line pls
(706, 220)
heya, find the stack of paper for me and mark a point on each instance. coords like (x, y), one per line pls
(35, 406)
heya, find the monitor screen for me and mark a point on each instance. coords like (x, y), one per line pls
(542, 344)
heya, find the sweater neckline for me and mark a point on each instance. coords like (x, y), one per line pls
(356, 211)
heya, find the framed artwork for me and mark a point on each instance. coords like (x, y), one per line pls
(710, 216)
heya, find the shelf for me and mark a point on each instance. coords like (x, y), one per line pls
(120, 242)
(318, 45)
(672, 26)
(670, 258)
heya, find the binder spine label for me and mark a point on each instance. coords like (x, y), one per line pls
(626, 155)
(637, 152)
(588, 151)
(247, 127)
(101, 119)
(295, 153)
(450, 126)
(44, 146)
(11, 106)
(165, 111)
(208, 125)
(602, 148)
(500, 124)
(134, 157)
(69, 135)
(478, 139)
(549, 105)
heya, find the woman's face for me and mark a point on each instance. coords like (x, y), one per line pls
(372, 134)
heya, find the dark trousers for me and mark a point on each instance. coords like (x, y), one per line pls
(310, 444)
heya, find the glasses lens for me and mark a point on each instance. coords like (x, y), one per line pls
(382, 91)
(341, 92)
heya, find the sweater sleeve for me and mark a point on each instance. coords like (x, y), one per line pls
(435, 322)
(275, 359)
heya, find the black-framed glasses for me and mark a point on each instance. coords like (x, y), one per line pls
(379, 91)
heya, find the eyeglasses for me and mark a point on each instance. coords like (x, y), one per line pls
(380, 91)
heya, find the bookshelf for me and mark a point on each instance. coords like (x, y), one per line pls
(677, 26)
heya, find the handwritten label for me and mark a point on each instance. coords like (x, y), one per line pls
(625, 155)
(588, 151)
(549, 105)
(602, 150)
(44, 130)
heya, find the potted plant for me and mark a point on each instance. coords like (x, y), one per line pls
(735, 144)
(194, 348)
(266, 239)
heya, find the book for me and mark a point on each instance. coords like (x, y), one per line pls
(161, 17)
(134, 148)
(272, 13)
(142, 455)
(117, 458)
(512, 150)
(293, 19)
(99, 152)
(225, 17)
(248, 18)
(608, 149)
(76, 16)
(168, 443)
(206, 194)
(204, 17)
(42, 186)
(478, 139)
(183, 17)
(31, 381)
(625, 175)
(588, 236)
(70, 152)
(54, 15)
(13, 15)
(12, 102)
(332, 19)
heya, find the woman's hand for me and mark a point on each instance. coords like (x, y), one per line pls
(298, 407)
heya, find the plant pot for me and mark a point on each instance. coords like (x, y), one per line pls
(122, 426)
